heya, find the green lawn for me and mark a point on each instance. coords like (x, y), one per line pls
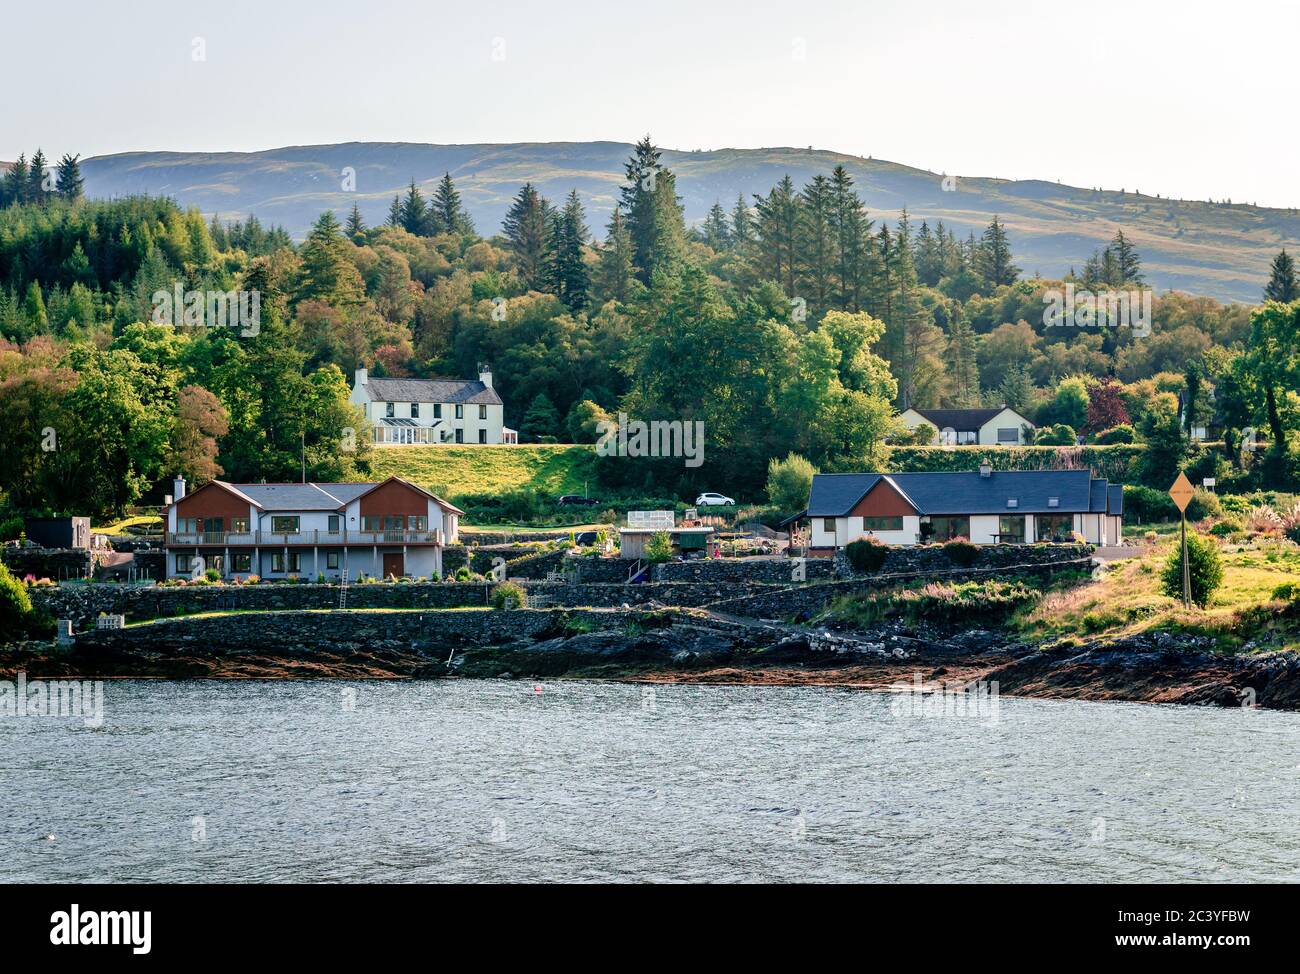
(147, 521)
(452, 470)
(1128, 599)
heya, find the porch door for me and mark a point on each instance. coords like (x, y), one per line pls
(393, 564)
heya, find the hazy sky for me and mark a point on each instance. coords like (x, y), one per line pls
(1191, 99)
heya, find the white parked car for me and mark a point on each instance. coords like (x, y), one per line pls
(714, 500)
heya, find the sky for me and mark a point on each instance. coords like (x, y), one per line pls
(1192, 100)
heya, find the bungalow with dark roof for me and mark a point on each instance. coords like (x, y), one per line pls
(279, 530)
(999, 426)
(409, 412)
(987, 507)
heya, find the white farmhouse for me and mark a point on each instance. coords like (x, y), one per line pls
(999, 426)
(406, 412)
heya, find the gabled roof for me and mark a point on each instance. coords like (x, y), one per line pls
(312, 497)
(962, 419)
(834, 495)
(416, 487)
(432, 390)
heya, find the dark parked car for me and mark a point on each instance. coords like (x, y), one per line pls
(586, 538)
(574, 500)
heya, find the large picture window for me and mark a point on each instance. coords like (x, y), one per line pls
(241, 562)
(284, 524)
(882, 524)
(1011, 529)
(947, 528)
(1008, 435)
(1054, 527)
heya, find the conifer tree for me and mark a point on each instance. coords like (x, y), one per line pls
(447, 209)
(652, 211)
(1128, 265)
(994, 264)
(569, 270)
(414, 212)
(1282, 280)
(614, 271)
(328, 273)
(15, 182)
(715, 232)
(528, 227)
(777, 230)
(815, 241)
(36, 192)
(355, 228)
(395, 212)
(70, 185)
(742, 225)
(852, 241)
(963, 370)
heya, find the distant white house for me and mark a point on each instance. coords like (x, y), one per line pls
(408, 412)
(998, 426)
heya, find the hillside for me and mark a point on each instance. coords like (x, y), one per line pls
(453, 470)
(1213, 249)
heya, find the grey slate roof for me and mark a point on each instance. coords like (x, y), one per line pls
(835, 494)
(1115, 500)
(961, 419)
(432, 390)
(301, 497)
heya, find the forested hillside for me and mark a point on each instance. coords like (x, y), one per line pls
(1219, 248)
(791, 321)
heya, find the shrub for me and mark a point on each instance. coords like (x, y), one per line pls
(508, 595)
(961, 552)
(1143, 505)
(1058, 435)
(789, 482)
(866, 554)
(11, 529)
(212, 575)
(1123, 433)
(1227, 526)
(1203, 505)
(15, 606)
(1206, 569)
(659, 548)
(1287, 592)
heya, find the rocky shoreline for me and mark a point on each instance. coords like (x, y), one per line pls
(663, 646)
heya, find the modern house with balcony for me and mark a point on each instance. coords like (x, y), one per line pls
(283, 530)
(410, 412)
(986, 507)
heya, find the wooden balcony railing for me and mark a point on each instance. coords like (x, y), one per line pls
(315, 536)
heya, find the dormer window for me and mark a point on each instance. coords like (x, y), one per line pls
(1013, 502)
(1053, 502)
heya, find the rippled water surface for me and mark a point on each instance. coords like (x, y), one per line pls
(474, 781)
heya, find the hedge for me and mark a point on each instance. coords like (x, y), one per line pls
(1116, 463)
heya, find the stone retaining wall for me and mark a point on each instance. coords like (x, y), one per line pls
(807, 600)
(287, 633)
(84, 603)
(52, 563)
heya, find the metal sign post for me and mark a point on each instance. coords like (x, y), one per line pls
(1182, 492)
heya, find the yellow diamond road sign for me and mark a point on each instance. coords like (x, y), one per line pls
(1181, 492)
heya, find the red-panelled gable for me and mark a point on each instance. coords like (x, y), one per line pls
(213, 500)
(394, 497)
(882, 500)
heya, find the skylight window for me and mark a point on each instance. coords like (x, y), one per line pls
(1053, 502)
(1013, 502)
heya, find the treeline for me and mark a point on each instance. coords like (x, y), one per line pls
(790, 322)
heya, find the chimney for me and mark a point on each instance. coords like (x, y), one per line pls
(362, 378)
(178, 488)
(986, 468)
(485, 375)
